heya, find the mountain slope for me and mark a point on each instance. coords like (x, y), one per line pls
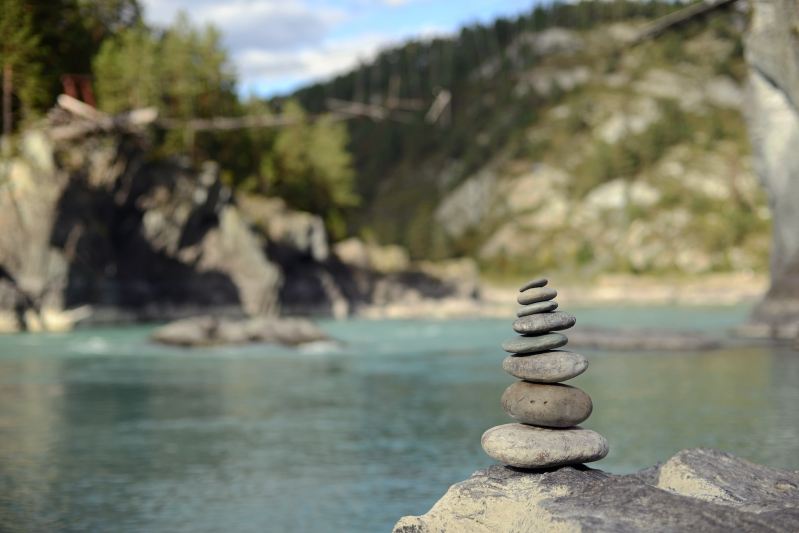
(564, 145)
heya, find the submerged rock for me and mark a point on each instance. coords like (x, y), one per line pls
(696, 490)
(208, 331)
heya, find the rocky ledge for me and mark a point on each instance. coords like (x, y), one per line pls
(696, 490)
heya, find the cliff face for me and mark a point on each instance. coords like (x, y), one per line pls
(772, 52)
(97, 229)
(96, 222)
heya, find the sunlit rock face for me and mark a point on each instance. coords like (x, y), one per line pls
(772, 52)
(99, 222)
(696, 490)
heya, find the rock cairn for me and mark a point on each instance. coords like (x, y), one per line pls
(548, 411)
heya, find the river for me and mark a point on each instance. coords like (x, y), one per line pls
(101, 430)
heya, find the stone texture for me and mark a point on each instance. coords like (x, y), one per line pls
(538, 344)
(538, 282)
(523, 446)
(546, 404)
(543, 322)
(547, 367)
(539, 307)
(537, 294)
(696, 490)
(772, 111)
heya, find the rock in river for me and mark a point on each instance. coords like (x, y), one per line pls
(538, 344)
(538, 294)
(540, 307)
(547, 367)
(525, 446)
(543, 322)
(546, 404)
(210, 331)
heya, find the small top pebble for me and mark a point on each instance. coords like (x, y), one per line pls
(538, 282)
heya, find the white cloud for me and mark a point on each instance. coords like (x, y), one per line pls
(252, 23)
(260, 66)
(272, 41)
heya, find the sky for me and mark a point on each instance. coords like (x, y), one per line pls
(279, 45)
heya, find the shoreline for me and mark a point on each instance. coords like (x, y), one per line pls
(497, 300)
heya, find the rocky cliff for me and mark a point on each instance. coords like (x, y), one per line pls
(772, 52)
(98, 222)
(98, 229)
(696, 490)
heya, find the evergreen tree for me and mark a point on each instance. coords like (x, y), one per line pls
(18, 46)
(309, 166)
(126, 71)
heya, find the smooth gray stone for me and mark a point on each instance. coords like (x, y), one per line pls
(543, 322)
(526, 446)
(547, 367)
(538, 282)
(530, 345)
(537, 294)
(546, 404)
(540, 307)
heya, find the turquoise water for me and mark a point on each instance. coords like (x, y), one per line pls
(102, 431)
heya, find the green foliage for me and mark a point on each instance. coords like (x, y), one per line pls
(19, 47)
(103, 18)
(634, 153)
(185, 73)
(481, 67)
(310, 168)
(63, 35)
(127, 71)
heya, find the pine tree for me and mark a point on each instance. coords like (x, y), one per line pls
(126, 71)
(309, 166)
(18, 45)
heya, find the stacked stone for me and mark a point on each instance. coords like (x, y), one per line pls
(548, 411)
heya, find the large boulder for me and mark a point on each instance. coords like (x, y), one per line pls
(696, 490)
(772, 51)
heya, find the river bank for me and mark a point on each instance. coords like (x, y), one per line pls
(497, 297)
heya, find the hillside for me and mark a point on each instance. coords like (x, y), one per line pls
(563, 145)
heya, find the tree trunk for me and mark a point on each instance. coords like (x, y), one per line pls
(7, 117)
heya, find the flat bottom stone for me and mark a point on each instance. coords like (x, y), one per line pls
(524, 446)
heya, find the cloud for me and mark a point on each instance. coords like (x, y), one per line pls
(275, 44)
(260, 66)
(267, 24)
